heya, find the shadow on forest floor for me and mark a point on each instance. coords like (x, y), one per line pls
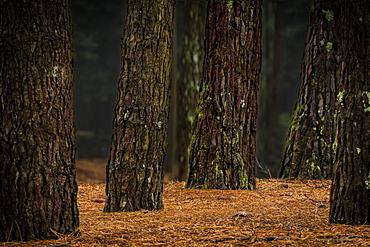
(276, 214)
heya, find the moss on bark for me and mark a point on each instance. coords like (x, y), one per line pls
(139, 142)
(223, 145)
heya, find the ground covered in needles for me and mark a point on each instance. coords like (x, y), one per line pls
(277, 213)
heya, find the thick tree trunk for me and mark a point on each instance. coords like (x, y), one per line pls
(350, 191)
(37, 133)
(308, 149)
(139, 144)
(189, 76)
(223, 145)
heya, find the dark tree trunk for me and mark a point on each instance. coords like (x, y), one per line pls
(223, 145)
(189, 76)
(276, 83)
(308, 149)
(37, 132)
(267, 98)
(139, 144)
(350, 191)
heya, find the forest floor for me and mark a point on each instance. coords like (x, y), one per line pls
(277, 213)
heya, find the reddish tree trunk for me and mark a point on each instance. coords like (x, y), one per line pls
(223, 145)
(308, 149)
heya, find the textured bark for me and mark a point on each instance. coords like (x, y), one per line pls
(308, 149)
(190, 73)
(37, 132)
(350, 191)
(223, 146)
(135, 166)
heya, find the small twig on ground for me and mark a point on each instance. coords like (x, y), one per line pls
(315, 201)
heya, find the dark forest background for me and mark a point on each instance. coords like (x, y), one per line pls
(98, 27)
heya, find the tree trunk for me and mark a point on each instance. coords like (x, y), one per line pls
(223, 145)
(308, 149)
(139, 144)
(190, 73)
(350, 191)
(37, 131)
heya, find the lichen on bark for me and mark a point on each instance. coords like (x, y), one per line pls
(308, 151)
(139, 142)
(350, 194)
(223, 149)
